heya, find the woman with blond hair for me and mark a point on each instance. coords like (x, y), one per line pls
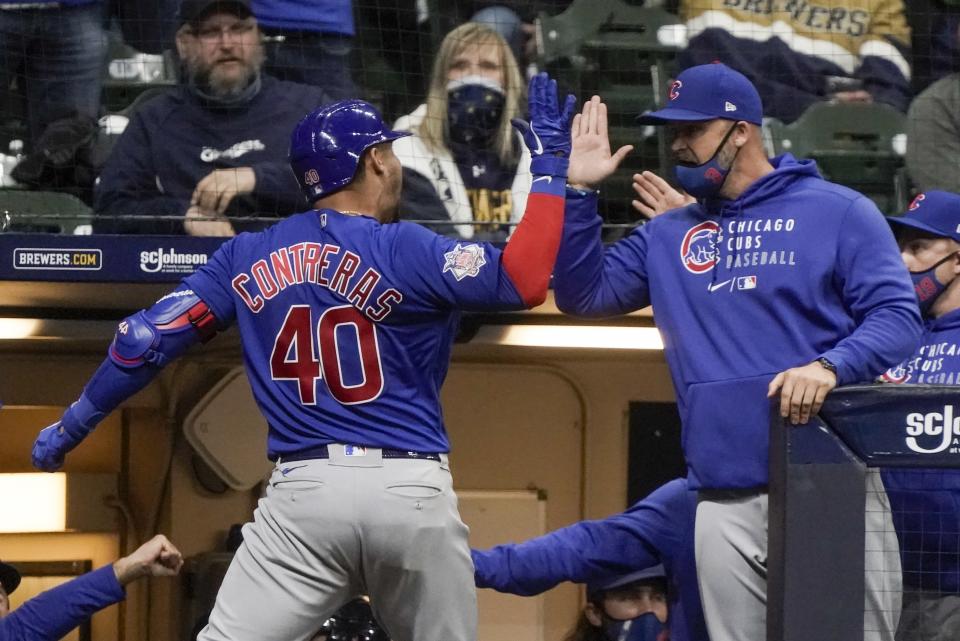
(465, 164)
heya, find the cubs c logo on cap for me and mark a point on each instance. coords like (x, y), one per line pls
(675, 89)
(698, 251)
(915, 203)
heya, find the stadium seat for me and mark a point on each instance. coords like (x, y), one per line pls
(42, 211)
(129, 72)
(626, 55)
(857, 145)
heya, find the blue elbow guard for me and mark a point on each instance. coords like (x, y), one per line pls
(139, 337)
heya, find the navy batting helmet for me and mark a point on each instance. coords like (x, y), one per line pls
(327, 144)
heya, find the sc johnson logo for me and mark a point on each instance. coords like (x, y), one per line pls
(170, 261)
(45, 258)
(940, 429)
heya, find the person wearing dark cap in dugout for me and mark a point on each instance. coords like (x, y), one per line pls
(52, 614)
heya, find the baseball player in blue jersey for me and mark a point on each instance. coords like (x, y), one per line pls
(656, 530)
(346, 324)
(776, 283)
(926, 502)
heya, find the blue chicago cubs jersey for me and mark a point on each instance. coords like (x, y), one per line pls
(926, 502)
(347, 324)
(794, 269)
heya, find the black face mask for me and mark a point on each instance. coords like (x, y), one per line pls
(474, 109)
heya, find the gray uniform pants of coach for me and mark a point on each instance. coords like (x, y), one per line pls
(329, 530)
(731, 550)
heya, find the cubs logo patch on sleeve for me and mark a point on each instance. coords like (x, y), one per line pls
(464, 260)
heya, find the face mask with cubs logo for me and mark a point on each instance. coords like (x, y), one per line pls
(705, 180)
(927, 287)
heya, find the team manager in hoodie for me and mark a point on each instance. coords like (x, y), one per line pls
(775, 283)
(214, 149)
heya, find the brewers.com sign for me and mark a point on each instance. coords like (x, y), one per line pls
(50, 258)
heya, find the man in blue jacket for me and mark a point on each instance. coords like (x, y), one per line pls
(776, 283)
(51, 614)
(926, 502)
(213, 149)
(656, 530)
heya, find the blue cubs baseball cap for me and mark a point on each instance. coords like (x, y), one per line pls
(706, 92)
(935, 212)
(613, 582)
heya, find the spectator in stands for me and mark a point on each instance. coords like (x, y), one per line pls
(51, 614)
(214, 147)
(925, 501)
(656, 530)
(512, 19)
(464, 162)
(933, 136)
(55, 49)
(309, 43)
(630, 607)
(799, 53)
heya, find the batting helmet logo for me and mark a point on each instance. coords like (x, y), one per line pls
(675, 89)
(698, 251)
(327, 145)
(915, 203)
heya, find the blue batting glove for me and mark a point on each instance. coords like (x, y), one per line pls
(51, 445)
(56, 440)
(547, 135)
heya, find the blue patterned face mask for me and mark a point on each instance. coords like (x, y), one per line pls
(646, 627)
(926, 285)
(706, 179)
(474, 108)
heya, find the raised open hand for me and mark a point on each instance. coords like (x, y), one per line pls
(655, 196)
(590, 158)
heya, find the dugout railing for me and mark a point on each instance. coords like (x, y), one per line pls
(817, 520)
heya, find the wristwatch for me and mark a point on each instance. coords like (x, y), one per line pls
(827, 365)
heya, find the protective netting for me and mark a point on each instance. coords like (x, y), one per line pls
(154, 121)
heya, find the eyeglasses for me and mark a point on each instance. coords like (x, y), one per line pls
(214, 33)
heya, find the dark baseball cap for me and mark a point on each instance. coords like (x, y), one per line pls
(191, 11)
(706, 92)
(613, 582)
(935, 212)
(9, 577)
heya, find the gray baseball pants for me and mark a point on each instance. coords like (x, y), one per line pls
(731, 550)
(329, 530)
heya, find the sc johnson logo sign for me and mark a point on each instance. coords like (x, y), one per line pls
(939, 429)
(170, 261)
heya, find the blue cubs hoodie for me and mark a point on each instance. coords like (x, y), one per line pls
(658, 529)
(926, 503)
(52, 614)
(794, 269)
